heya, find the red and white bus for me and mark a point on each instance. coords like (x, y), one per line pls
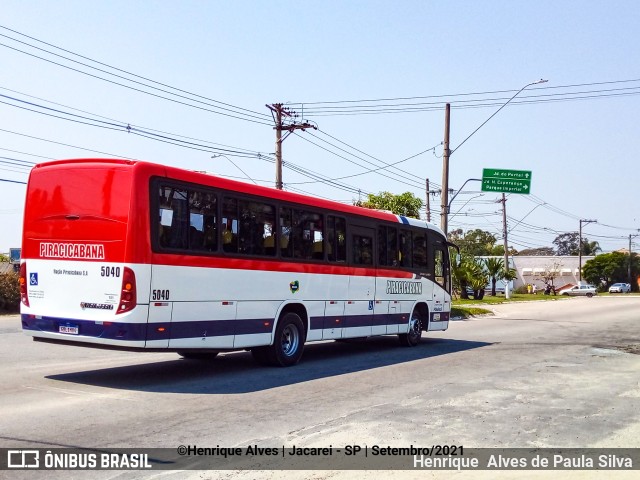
(139, 256)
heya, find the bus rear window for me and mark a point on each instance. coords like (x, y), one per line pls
(77, 202)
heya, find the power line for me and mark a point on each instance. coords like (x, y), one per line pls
(232, 108)
(24, 153)
(465, 94)
(410, 183)
(12, 181)
(66, 144)
(121, 121)
(126, 128)
(382, 162)
(134, 88)
(450, 98)
(377, 169)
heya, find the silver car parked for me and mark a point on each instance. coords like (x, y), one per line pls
(620, 288)
(579, 290)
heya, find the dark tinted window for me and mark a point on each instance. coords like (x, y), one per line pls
(419, 251)
(173, 218)
(362, 249)
(336, 239)
(404, 255)
(302, 234)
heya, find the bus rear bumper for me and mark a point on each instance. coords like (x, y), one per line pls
(69, 330)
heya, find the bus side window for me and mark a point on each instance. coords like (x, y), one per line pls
(286, 243)
(382, 246)
(302, 232)
(420, 251)
(404, 255)
(230, 225)
(256, 226)
(362, 250)
(388, 246)
(440, 267)
(173, 217)
(336, 239)
(202, 219)
(393, 255)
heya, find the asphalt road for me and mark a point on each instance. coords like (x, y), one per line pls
(540, 374)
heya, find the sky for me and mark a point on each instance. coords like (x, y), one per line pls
(372, 76)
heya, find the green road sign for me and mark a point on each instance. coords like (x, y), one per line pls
(506, 181)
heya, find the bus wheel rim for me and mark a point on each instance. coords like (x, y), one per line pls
(290, 340)
(414, 328)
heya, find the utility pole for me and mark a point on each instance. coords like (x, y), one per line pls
(629, 271)
(629, 259)
(428, 204)
(580, 248)
(506, 248)
(279, 112)
(444, 213)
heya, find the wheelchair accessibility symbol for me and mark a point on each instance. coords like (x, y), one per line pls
(33, 279)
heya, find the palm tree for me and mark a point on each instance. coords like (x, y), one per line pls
(495, 269)
(461, 274)
(590, 248)
(478, 278)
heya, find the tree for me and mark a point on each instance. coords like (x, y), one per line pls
(478, 278)
(9, 292)
(550, 273)
(609, 268)
(537, 252)
(568, 244)
(469, 274)
(406, 204)
(477, 243)
(590, 248)
(495, 269)
(509, 274)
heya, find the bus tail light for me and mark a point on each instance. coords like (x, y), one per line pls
(128, 293)
(24, 296)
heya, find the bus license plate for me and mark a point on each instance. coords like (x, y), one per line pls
(70, 329)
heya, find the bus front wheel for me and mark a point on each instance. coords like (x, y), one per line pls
(412, 338)
(288, 342)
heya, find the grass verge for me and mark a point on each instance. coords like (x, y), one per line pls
(466, 312)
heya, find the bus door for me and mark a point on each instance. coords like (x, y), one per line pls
(441, 305)
(358, 309)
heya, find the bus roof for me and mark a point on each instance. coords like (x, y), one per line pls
(153, 169)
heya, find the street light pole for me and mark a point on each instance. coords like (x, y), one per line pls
(447, 153)
(580, 248)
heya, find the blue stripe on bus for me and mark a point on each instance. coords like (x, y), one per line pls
(403, 219)
(200, 328)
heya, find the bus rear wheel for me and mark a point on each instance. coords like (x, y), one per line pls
(413, 337)
(288, 343)
(198, 355)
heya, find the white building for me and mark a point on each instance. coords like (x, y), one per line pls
(530, 268)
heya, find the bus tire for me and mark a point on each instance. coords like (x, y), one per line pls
(413, 337)
(187, 355)
(288, 342)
